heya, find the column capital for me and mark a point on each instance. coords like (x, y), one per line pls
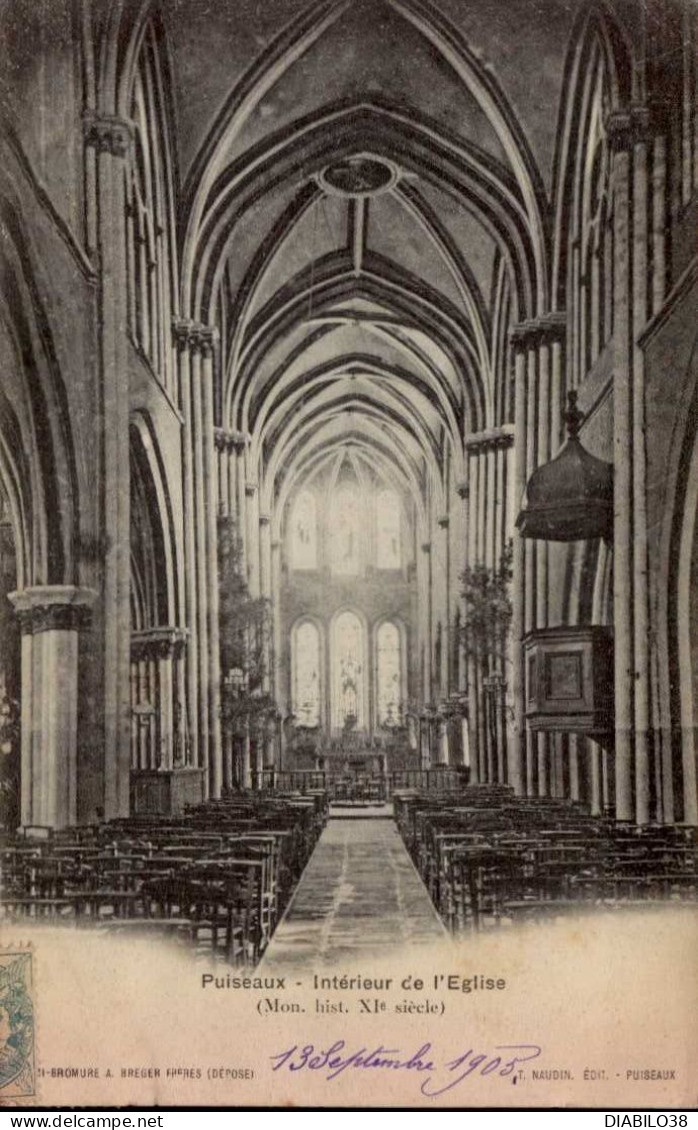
(226, 440)
(52, 608)
(545, 329)
(264, 520)
(619, 130)
(463, 489)
(625, 128)
(525, 335)
(203, 338)
(195, 336)
(109, 134)
(490, 440)
(160, 643)
(553, 326)
(182, 331)
(250, 488)
(444, 521)
(426, 547)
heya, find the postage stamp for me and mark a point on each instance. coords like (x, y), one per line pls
(17, 1027)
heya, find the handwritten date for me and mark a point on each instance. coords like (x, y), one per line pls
(436, 1076)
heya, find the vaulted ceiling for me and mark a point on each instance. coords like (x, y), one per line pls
(363, 182)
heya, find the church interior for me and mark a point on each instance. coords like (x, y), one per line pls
(348, 465)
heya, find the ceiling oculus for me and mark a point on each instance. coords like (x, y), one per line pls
(361, 175)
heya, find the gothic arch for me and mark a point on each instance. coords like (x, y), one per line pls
(679, 601)
(151, 519)
(36, 446)
(596, 42)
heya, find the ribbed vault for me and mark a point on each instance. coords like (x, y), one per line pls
(351, 309)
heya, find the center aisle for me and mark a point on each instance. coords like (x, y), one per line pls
(359, 896)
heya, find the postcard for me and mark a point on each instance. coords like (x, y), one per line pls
(348, 554)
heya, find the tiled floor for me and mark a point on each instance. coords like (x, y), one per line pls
(359, 896)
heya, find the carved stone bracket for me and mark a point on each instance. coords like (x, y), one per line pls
(109, 134)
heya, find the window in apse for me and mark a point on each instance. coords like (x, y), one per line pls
(349, 673)
(388, 530)
(304, 532)
(306, 667)
(345, 518)
(388, 675)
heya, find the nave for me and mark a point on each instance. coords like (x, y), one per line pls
(294, 882)
(348, 457)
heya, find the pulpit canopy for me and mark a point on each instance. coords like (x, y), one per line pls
(571, 497)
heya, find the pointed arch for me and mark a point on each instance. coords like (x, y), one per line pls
(598, 48)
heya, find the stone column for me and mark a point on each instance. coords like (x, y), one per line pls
(181, 331)
(639, 532)
(463, 492)
(447, 629)
(112, 139)
(159, 651)
(472, 560)
(246, 758)
(252, 527)
(424, 741)
(659, 221)
(278, 682)
(268, 743)
(223, 445)
(241, 508)
(207, 340)
(265, 591)
(51, 618)
(426, 604)
(201, 549)
(517, 747)
(265, 555)
(620, 137)
(444, 756)
(526, 338)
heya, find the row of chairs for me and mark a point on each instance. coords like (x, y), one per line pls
(218, 877)
(491, 857)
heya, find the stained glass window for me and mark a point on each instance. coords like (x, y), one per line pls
(306, 674)
(387, 530)
(349, 672)
(304, 532)
(388, 675)
(346, 519)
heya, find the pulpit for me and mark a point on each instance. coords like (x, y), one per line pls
(569, 680)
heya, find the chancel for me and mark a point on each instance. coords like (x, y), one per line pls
(348, 466)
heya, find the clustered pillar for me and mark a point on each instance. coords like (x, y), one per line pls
(489, 530)
(159, 736)
(201, 480)
(112, 140)
(537, 349)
